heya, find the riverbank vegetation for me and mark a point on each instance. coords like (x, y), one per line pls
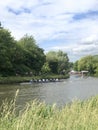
(24, 57)
(88, 63)
(79, 115)
(21, 79)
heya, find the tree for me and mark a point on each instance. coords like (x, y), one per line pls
(58, 62)
(86, 63)
(75, 66)
(19, 56)
(63, 62)
(7, 43)
(27, 42)
(34, 56)
(96, 69)
(51, 58)
(45, 68)
(95, 64)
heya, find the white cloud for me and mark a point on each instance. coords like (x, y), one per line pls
(53, 19)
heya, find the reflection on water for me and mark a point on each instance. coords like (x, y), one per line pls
(57, 92)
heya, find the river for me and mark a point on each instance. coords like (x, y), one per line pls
(53, 92)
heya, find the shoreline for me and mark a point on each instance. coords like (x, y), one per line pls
(36, 79)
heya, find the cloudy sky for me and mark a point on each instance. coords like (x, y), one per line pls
(68, 25)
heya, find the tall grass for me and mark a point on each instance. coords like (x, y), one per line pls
(39, 116)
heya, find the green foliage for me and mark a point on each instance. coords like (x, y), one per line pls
(89, 63)
(19, 57)
(7, 45)
(34, 56)
(58, 62)
(63, 62)
(86, 63)
(45, 68)
(51, 58)
(95, 58)
(28, 43)
(96, 65)
(71, 64)
(96, 71)
(80, 115)
(25, 56)
(75, 66)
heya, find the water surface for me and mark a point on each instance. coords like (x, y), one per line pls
(54, 92)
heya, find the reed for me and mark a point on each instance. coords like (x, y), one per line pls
(80, 115)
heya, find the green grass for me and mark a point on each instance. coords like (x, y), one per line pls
(39, 116)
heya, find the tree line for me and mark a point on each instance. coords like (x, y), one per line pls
(25, 57)
(88, 63)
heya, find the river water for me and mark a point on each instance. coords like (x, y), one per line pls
(53, 92)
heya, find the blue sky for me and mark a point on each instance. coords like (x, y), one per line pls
(67, 25)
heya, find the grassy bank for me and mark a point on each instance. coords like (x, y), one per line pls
(39, 116)
(19, 79)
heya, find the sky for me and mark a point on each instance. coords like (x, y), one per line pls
(67, 25)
